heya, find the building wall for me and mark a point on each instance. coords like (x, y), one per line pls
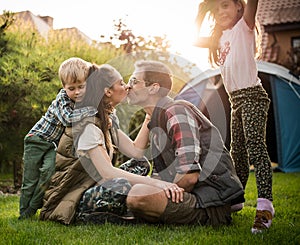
(283, 45)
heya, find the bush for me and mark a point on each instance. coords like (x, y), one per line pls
(29, 82)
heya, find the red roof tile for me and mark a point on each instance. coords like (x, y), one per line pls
(272, 12)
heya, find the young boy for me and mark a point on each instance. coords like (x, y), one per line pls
(41, 141)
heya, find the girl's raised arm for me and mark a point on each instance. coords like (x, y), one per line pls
(250, 12)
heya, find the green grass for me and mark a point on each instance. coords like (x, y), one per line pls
(285, 228)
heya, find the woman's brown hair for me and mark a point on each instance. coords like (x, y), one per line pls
(101, 78)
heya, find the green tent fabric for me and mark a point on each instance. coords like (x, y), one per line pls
(207, 92)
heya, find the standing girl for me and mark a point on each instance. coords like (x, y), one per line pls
(232, 46)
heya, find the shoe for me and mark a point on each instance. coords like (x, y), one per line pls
(237, 207)
(263, 221)
(28, 213)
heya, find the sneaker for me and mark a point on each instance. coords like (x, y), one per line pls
(237, 207)
(263, 221)
(28, 213)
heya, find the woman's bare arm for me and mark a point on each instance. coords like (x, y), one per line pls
(137, 147)
(102, 163)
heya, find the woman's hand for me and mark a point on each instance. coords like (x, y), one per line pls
(174, 191)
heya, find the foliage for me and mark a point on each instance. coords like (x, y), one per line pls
(129, 42)
(151, 47)
(29, 82)
(284, 230)
(7, 20)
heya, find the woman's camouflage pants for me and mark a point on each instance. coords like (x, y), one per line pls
(111, 195)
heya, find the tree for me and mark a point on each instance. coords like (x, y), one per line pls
(124, 38)
(7, 20)
(29, 82)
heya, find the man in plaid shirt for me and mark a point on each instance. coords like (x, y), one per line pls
(187, 149)
(41, 141)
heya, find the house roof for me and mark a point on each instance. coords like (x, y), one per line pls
(271, 12)
(276, 13)
(36, 21)
(44, 24)
(75, 33)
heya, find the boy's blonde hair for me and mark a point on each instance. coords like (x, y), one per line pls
(74, 70)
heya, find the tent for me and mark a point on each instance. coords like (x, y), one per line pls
(207, 92)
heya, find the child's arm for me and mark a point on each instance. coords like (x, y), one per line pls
(201, 41)
(250, 12)
(66, 113)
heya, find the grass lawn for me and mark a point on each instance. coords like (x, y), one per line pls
(285, 228)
